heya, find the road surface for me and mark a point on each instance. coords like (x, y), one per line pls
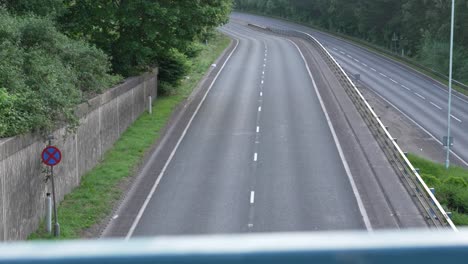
(417, 96)
(261, 155)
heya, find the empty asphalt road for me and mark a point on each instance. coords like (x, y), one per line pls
(262, 155)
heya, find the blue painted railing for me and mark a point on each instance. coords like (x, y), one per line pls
(378, 247)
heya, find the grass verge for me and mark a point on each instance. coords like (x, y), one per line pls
(93, 200)
(451, 186)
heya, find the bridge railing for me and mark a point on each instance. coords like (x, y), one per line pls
(403, 247)
(427, 202)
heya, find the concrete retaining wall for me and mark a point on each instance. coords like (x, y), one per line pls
(102, 120)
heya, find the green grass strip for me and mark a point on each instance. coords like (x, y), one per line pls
(93, 200)
(451, 186)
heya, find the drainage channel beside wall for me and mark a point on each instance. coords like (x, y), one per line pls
(22, 179)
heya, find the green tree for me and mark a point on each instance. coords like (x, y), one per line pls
(142, 34)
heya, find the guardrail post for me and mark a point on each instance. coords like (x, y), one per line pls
(449, 214)
(48, 215)
(150, 104)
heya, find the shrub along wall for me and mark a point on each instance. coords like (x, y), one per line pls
(101, 122)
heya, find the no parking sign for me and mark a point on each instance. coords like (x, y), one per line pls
(51, 156)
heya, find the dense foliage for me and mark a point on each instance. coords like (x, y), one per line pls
(145, 33)
(54, 53)
(416, 28)
(44, 74)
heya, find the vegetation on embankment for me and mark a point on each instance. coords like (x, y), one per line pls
(55, 54)
(451, 186)
(418, 29)
(94, 199)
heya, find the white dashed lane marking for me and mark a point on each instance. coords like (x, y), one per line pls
(252, 197)
(405, 87)
(454, 117)
(420, 96)
(436, 106)
(383, 75)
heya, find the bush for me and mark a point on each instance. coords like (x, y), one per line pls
(456, 181)
(430, 180)
(44, 75)
(173, 66)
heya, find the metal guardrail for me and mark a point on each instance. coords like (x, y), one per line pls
(428, 203)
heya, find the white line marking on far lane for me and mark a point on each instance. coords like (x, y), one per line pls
(383, 75)
(454, 117)
(420, 96)
(438, 107)
(252, 197)
(259, 108)
(255, 156)
(373, 69)
(258, 129)
(405, 87)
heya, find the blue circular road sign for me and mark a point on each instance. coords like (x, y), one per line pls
(51, 156)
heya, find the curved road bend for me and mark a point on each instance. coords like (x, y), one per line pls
(260, 157)
(419, 97)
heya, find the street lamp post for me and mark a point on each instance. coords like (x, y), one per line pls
(447, 161)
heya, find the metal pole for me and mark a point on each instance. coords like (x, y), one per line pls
(48, 213)
(447, 161)
(56, 227)
(150, 104)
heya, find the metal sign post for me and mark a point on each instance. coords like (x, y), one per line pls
(452, 21)
(52, 156)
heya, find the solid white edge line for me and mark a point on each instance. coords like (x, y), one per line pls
(362, 209)
(158, 179)
(252, 197)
